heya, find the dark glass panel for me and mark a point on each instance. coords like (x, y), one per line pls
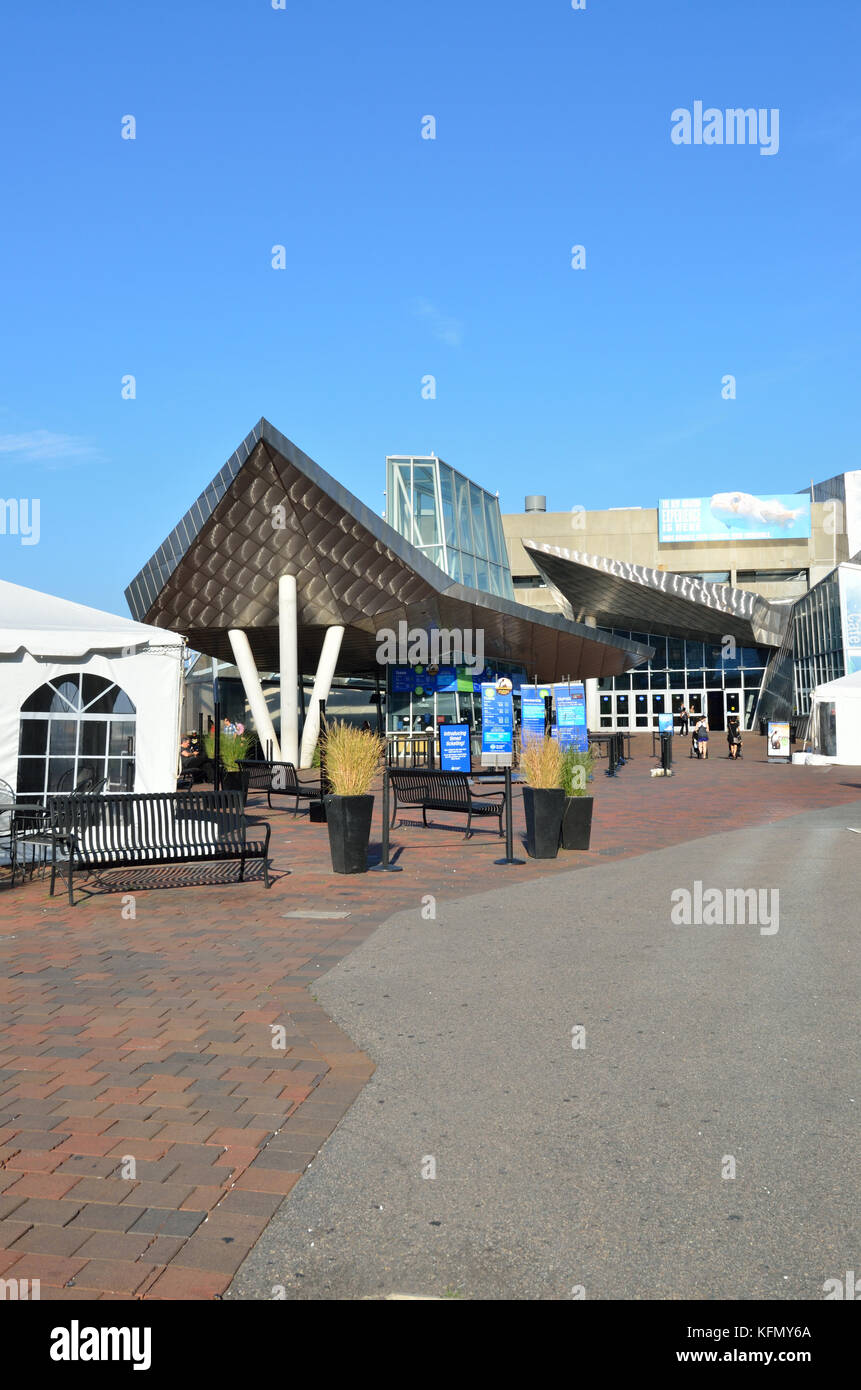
(94, 738)
(92, 687)
(122, 732)
(60, 770)
(31, 775)
(63, 735)
(34, 736)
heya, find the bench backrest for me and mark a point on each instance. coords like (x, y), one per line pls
(265, 775)
(448, 786)
(150, 820)
(419, 783)
(409, 782)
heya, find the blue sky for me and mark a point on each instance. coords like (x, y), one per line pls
(406, 257)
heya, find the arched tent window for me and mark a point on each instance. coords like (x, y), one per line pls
(76, 728)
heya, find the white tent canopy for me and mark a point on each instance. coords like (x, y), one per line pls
(836, 719)
(112, 698)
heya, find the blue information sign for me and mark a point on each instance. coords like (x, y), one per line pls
(532, 712)
(454, 753)
(665, 723)
(571, 715)
(497, 721)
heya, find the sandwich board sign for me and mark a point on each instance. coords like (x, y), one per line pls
(454, 748)
(778, 742)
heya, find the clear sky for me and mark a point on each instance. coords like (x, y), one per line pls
(407, 257)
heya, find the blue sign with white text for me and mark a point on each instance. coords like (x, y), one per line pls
(454, 753)
(532, 712)
(497, 721)
(571, 715)
(734, 516)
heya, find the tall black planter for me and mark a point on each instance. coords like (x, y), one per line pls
(349, 822)
(576, 823)
(544, 807)
(231, 781)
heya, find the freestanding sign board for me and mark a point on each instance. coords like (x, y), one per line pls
(571, 715)
(454, 748)
(497, 725)
(532, 712)
(665, 723)
(778, 742)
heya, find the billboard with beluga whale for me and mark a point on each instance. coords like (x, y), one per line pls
(727, 516)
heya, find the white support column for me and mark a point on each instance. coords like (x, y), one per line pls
(247, 668)
(322, 685)
(593, 719)
(288, 649)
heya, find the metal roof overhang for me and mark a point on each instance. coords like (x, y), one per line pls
(617, 593)
(272, 511)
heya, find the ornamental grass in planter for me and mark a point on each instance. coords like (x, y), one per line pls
(576, 831)
(352, 757)
(233, 748)
(543, 796)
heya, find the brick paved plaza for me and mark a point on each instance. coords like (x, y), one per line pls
(148, 1127)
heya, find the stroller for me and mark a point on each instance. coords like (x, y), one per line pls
(733, 738)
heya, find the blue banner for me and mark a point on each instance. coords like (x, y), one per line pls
(454, 752)
(497, 721)
(734, 515)
(532, 711)
(571, 715)
(850, 611)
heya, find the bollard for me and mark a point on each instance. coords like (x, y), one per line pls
(509, 826)
(666, 753)
(384, 865)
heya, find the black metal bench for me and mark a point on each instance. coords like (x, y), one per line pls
(281, 779)
(109, 832)
(442, 791)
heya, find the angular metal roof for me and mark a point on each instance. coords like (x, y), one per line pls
(619, 594)
(271, 511)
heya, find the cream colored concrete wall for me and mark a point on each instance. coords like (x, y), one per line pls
(632, 534)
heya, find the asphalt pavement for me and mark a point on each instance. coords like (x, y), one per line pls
(599, 1170)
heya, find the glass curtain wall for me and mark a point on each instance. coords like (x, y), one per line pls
(817, 640)
(681, 674)
(455, 523)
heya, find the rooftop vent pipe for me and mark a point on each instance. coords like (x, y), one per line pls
(535, 503)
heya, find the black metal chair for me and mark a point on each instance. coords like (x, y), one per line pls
(7, 828)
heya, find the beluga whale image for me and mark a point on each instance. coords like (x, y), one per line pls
(743, 512)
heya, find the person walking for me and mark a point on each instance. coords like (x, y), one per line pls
(733, 736)
(684, 718)
(701, 738)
